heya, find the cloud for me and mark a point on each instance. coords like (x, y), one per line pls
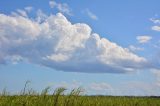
(155, 21)
(157, 76)
(100, 86)
(157, 45)
(69, 85)
(20, 12)
(62, 7)
(91, 15)
(28, 9)
(156, 73)
(134, 49)
(52, 4)
(143, 39)
(57, 43)
(140, 88)
(41, 16)
(156, 28)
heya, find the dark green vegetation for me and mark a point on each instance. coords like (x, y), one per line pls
(45, 100)
(74, 98)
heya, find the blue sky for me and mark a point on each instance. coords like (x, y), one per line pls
(107, 47)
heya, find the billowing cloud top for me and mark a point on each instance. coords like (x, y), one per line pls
(56, 43)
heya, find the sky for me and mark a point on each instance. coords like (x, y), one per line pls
(107, 47)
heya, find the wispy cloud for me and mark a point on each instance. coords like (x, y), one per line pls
(56, 43)
(20, 12)
(28, 9)
(155, 21)
(134, 48)
(52, 4)
(140, 88)
(157, 75)
(143, 39)
(156, 28)
(62, 7)
(157, 45)
(102, 86)
(69, 85)
(134, 88)
(91, 15)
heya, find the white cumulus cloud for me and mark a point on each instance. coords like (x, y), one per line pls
(57, 43)
(156, 28)
(143, 39)
(62, 7)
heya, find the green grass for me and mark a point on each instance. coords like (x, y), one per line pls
(52, 100)
(74, 98)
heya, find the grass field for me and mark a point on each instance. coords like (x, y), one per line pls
(77, 101)
(74, 98)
